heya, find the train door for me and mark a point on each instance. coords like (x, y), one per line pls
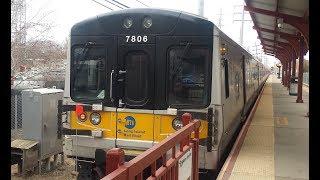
(133, 92)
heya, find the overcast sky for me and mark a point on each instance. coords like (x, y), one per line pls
(65, 13)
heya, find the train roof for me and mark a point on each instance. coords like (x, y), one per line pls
(164, 22)
(231, 41)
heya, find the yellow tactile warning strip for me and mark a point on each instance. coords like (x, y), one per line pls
(255, 159)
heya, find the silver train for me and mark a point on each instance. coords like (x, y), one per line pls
(143, 64)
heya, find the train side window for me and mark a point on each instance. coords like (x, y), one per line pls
(226, 78)
(188, 76)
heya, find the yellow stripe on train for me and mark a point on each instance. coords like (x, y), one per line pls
(137, 126)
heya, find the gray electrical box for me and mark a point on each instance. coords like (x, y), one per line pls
(40, 121)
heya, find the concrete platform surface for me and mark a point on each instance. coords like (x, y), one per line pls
(276, 143)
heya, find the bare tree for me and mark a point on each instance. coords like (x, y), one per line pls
(27, 33)
(31, 44)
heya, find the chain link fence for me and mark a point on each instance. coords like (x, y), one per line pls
(16, 113)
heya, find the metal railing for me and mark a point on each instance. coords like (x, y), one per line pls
(182, 163)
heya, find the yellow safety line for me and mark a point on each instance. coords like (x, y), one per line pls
(256, 157)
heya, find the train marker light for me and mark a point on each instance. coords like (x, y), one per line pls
(223, 50)
(95, 118)
(80, 113)
(82, 117)
(127, 23)
(79, 109)
(177, 123)
(147, 22)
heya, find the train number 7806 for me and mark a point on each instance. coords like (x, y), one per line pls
(138, 39)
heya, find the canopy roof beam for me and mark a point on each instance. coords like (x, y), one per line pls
(298, 22)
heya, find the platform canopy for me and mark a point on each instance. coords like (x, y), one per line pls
(280, 24)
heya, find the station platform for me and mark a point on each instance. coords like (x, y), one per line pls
(274, 145)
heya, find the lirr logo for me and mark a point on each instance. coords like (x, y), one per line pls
(130, 122)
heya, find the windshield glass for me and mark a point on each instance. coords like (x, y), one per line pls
(188, 73)
(88, 73)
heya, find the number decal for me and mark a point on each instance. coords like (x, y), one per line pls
(133, 39)
(138, 39)
(128, 37)
(145, 38)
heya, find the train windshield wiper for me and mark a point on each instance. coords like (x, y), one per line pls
(83, 54)
(186, 50)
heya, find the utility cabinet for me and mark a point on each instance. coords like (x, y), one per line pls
(40, 121)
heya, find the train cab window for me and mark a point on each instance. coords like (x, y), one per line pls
(136, 91)
(88, 73)
(188, 76)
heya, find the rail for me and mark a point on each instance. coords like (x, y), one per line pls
(182, 163)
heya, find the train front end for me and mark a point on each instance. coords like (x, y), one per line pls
(135, 72)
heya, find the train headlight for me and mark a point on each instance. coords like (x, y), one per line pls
(82, 117)
(127, 23)
(147, 22)
(95, 118)
(177, 124)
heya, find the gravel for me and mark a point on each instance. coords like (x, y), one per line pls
(65, 171)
